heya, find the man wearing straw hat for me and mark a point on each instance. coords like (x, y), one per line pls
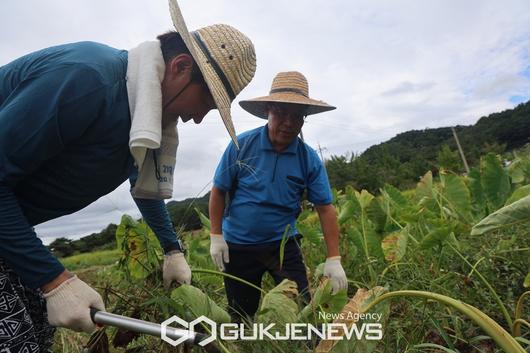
(76, 121)
(265, 180)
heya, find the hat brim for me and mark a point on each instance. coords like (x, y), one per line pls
(218, 91)
(258, 106)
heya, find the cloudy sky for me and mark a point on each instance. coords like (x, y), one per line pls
(389, 66)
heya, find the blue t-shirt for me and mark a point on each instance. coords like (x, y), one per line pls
(266, 187)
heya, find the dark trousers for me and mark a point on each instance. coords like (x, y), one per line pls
(250, 262)
(24, 323)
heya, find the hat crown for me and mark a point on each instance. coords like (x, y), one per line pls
(233, 53)
(290, 81)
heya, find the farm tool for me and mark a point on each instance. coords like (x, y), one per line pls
(103, 318)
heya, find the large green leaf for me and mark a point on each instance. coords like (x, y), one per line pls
(519, 170)
(395, 196)
(518, 194)
(477, 193)
(515, 213)
(308, 224)
(456, 194)
(376, 214)
(368, 244)
(425, 193)
(424, 188)
(364, 198)
(348, 210)
(394, 245)
(322, 301)
(141, 251)
(439, 237)
(204, 220)
(312, 233)
(192, 303)
(495, 180)
(278, 305)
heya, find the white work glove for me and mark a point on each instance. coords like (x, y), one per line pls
(175, 269)
(69, 304)
(219, 251)
(334, 271)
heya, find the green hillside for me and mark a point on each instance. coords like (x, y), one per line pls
(402, 159)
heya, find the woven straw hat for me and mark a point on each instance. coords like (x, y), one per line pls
(226, 58)
(287, 87)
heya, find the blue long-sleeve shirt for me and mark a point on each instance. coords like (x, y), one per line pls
(64, 132)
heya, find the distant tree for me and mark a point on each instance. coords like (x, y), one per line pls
(62, 247)
(448, 159)
(340, 170)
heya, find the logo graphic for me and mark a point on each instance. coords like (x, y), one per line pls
(369, 331)
(186, 335)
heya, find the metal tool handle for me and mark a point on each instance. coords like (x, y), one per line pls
(140, 326)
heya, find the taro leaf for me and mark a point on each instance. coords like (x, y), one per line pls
(348, 210)
(395, 196)
(319, 271)
(456, 194)
(350, 316)
(309, 229)
(323, 302)
(356, 237)
(194, 303)
(515, 213)
(518, 194)
(364, 198)
(204, 220)
(439, 236)
(313, 235)
(303, 215)
(495, 180)
(335, 194)
(526, 283)
(278, 305)
(373, 241)
(475, 187)
(141, 251)
(424, 187)
(395, 245)
(376, 214)
(517, 170)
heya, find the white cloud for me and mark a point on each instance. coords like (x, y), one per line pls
(388, 66)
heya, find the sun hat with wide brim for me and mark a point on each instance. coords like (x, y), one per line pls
(287, 87)
(226, 58)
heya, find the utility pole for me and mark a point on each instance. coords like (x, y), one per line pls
(460, 150)
(322, 157)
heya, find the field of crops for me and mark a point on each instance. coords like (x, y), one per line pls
(445, 265)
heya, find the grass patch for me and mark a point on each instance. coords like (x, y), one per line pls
(96, 258)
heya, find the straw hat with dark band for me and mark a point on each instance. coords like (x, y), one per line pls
(287, 87)
(226, 58)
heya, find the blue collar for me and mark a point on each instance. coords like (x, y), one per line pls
(266, 143)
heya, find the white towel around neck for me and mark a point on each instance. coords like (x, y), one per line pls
(154, 149)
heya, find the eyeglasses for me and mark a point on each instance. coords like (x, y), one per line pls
(293, 113)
